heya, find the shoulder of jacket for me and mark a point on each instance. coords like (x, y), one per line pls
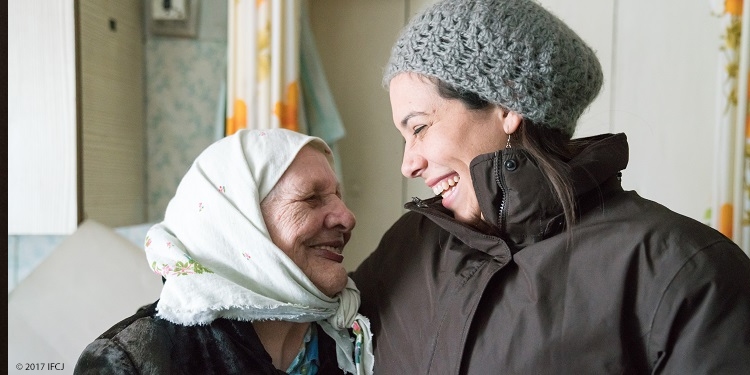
(146, 311)
(411, 222)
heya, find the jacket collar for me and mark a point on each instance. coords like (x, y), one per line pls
(516, 200)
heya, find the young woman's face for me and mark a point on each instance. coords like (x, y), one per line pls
(442, 138)
(308, 221)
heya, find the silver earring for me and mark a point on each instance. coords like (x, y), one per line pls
(507, 144)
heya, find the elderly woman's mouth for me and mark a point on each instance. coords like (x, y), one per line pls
(330, 252)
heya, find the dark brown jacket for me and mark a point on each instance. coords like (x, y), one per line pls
(146, 344)
(637, 289)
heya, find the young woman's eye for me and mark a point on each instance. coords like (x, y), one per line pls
(419, 128)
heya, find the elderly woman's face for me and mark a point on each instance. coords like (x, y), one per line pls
(307, 219)
(442, 138)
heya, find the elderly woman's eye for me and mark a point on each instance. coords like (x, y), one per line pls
(313, 199)
(419, 128)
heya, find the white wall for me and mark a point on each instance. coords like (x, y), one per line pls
(41, 117)
(660, 61)
(664, 97)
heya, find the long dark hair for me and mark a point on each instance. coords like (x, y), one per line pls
(550, 148)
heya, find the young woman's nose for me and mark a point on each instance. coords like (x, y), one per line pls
(413, 164)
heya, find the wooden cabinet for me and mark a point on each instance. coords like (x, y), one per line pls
(76, 134)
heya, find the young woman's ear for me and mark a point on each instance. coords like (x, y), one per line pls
(511, 121)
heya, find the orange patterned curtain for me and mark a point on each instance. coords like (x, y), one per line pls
(732, 185)
(263, 65)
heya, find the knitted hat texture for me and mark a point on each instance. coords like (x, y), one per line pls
(513, 53)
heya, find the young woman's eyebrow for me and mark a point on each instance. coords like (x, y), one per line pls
(409, 116)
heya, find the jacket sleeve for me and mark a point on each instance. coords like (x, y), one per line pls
(103, 356)
(702, 324)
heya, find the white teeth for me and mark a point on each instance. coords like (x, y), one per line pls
(444, 185)
(329, 248)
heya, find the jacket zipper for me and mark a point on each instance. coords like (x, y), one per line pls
(501, 183)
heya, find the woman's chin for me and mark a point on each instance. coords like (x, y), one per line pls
(449, 198)
(335, 285)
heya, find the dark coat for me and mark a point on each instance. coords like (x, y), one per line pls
(636, 289)
(146, 344)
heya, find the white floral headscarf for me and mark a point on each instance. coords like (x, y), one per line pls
(217, 256)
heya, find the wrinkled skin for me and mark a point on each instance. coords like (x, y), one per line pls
(307, 219)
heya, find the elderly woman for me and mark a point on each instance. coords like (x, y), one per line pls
(250, 249)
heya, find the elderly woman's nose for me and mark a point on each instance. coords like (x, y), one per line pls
(341, 216)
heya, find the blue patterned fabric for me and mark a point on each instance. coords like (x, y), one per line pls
(306, 362)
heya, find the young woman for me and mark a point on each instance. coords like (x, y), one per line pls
(531, 258)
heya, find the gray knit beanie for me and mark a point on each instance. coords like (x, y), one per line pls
(510, 52)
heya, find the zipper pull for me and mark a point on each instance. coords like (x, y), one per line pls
(420, 203)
